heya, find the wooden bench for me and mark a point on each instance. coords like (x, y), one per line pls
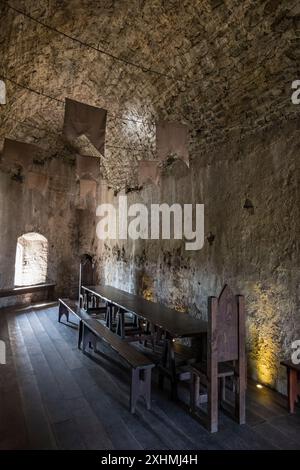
(140, 365)
(293, 383)
(67, 306)
(48, 287)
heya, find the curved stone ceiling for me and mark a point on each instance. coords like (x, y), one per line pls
(218, 66)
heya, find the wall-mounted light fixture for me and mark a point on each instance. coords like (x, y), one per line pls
(248, 205)
(210, 238)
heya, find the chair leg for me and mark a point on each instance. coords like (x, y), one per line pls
(194, 391)
(240, 397)
(212, 405)
(222, 389)
(241, 394)
(292, 389)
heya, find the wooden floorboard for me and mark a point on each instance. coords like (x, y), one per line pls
(36, 421)
(54, 396)
(88, 426)
(278, 437)
(13, 430)
(104, 409)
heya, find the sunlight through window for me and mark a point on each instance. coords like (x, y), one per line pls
(31, 259)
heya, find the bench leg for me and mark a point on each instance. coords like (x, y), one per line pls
(88, 339)
(62, 310)
(140, 386)
(80, 331)
(292, 388)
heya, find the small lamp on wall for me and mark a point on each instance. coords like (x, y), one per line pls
(248, 205)
(210, 238)
(2, 92)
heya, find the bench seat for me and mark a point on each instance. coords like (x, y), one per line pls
(47, 286)
(91, 330)
(134, 358)
(67, 306)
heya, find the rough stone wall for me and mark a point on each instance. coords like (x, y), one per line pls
(255, 250)
(224, 68)
(219, 66)
(49, 212)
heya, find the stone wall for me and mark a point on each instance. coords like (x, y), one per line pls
(224, 68)
(255, 250)
(48, 211)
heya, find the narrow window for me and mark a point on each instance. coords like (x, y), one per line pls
(31, 259)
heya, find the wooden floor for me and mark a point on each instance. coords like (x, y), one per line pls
(54, 397)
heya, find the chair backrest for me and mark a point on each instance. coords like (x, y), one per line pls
(86, 271)
(226, 325)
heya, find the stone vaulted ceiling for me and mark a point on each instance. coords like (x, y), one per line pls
(218, 66)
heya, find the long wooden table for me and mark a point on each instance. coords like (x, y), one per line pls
(175, 324)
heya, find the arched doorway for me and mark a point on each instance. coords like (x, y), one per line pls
(31, 259)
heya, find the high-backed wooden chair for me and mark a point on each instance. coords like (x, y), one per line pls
(90, 303)
(86, 277)
(225, 358)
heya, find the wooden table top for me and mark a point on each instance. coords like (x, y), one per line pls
(177, 324)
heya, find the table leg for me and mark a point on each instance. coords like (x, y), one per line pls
(172, 366)
(87, 297)
(121, 323)
(122, 319)
(168, 362)
(152, 333)
(109, 317)
(194, 391)
(164, 360)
